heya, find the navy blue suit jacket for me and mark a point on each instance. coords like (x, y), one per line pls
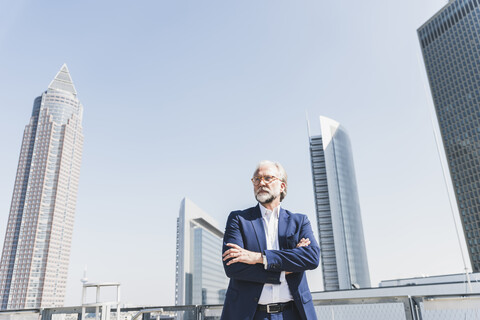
(245, 228)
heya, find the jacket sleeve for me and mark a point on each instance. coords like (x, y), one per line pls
(243, 271)
(296, 259)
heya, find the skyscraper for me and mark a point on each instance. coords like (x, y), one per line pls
(340, 231)
(451, 52)
(36, 250)
(200, 278)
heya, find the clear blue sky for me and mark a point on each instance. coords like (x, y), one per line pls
(183, 98)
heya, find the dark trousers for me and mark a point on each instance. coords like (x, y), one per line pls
(290, 314)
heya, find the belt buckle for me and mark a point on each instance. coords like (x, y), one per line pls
(273, 311)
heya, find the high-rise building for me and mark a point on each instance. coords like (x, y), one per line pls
(451, 51)
(200, 278)
(36, 250)
(340, 230)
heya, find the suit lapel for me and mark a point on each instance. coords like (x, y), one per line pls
(259, 229)
(283, 220)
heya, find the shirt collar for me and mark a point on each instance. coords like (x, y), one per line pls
(264, 210)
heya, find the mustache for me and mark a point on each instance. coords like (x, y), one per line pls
(262, 190)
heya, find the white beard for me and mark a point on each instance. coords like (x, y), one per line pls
(265, 196)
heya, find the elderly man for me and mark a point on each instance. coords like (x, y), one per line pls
(266, 250)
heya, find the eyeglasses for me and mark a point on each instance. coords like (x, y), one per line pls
(267, 179)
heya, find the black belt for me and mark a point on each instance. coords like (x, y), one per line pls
(275, 307)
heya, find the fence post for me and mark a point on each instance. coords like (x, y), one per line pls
(46, 314)
(407, 305)
(418, 311)
(198, 312)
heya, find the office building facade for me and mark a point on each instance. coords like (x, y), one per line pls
(200, 278)
(342, 244)
(36, 250)
(451, 51)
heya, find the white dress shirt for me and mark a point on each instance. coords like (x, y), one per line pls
(273, 293)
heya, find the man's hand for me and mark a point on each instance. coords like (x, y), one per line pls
(238, 254)
(302, 243)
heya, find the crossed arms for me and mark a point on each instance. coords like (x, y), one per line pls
(243, 264)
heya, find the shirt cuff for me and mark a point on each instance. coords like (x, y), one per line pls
(265, 263)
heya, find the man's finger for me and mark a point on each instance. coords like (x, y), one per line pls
(226, 253)
(230, 251)
(226, 257)
(232, 261)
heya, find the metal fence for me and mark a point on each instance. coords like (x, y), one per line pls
(444, 307)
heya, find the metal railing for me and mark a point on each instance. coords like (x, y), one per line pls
(377, 308)
(440, 307)
(447, 307)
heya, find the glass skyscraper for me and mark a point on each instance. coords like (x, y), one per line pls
(450, 43)
(340, 230)
(200, 278)
(36, 250)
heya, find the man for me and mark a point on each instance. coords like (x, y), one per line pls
(266, 250)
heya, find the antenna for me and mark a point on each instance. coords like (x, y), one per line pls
(308, 123)
(84, 279)
(452, 210)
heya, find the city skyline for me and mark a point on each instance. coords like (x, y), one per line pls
(449, 42)
(339, 219)
(185, 98)
(36, 249)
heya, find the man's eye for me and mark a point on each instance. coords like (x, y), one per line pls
(267, 178)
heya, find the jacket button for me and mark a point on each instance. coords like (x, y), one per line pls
(256, 299)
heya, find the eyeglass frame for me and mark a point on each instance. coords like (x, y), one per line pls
(262, 178)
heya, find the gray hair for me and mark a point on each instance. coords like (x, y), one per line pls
(281, 171)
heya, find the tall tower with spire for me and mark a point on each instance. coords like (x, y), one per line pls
(36, 250)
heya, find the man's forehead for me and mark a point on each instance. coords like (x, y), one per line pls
(267, 168)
